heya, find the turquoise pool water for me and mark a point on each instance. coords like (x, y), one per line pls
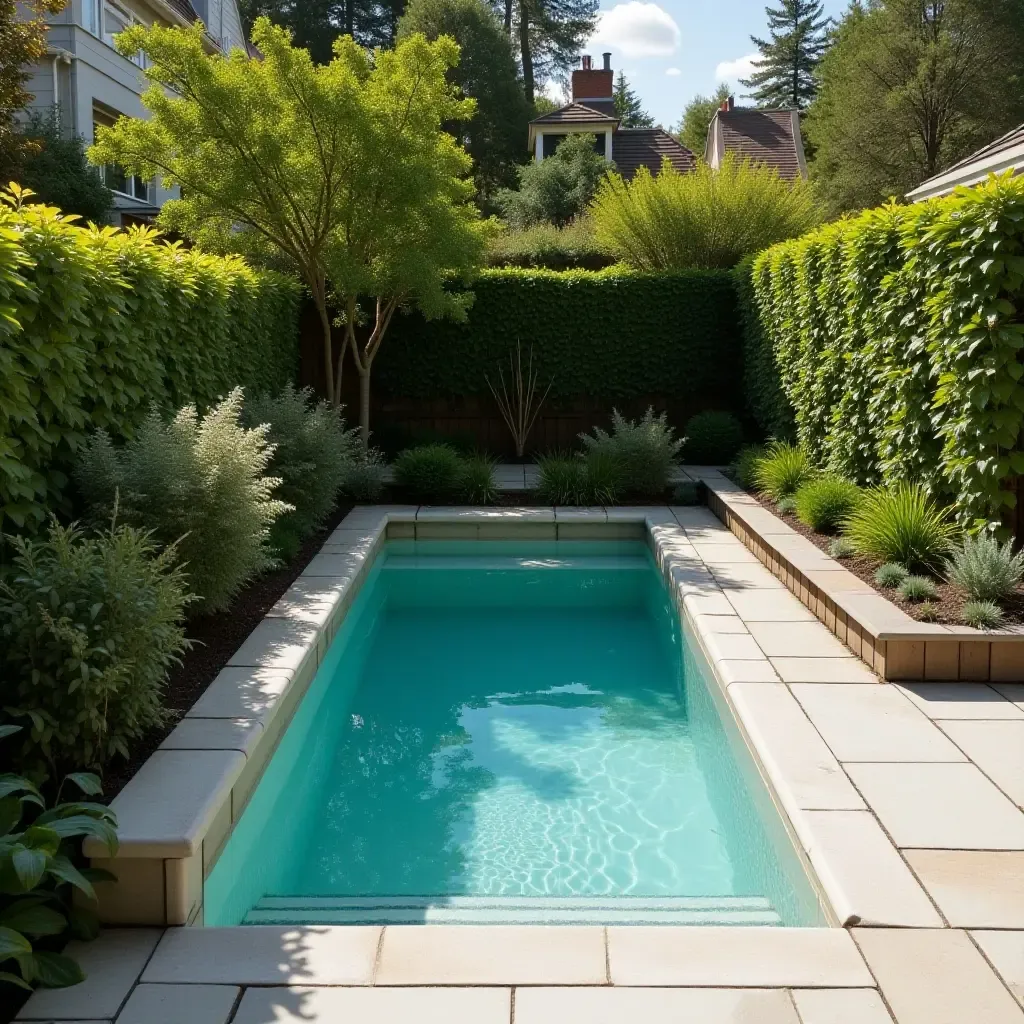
(511, 732)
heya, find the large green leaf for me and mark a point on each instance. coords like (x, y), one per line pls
(87, 782)
(83, 825)
(29, 866)
(53, 970)
(62, 868)
(13, 979)
(10, 814)
(13, 944)
(33, 917)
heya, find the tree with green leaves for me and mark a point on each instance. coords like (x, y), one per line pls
(23, 29)
(910, 87)
(798, 38)
(559, 188)
(697, 117)
(56, 170)
(496, 136)
(628, 108)
(315, 24)
(342, 170)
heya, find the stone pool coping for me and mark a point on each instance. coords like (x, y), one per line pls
(896, 646)
(905, 799)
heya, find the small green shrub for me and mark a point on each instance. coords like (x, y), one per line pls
(477, 486)
(901, 524)
(891, 576)
(90, 626)
(578, 480)
(928, 611)
(825, 502)
(644, 451)
(782, 470)
(983, 614)
(544, 245)
(197, 482)
(38, 853)
(918, 588)
(743, 468)
(712, 438)
(787, 505)
(986, 569)
(312, 452)
(841, 548)
(364, 477)
(430, 473)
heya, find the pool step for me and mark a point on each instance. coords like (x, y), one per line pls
(680, 910)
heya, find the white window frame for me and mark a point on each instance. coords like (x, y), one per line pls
(92, 17)
(107, 171)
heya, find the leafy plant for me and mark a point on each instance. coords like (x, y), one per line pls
(572, 247)
(643, 451)
(709, 217)
(891, 576)
(983, 614)
(198, 482)
(825, 502)
(90, 626)
(518, 400)
(743, 468)
(901, 524)
(986, 569)
(364, 477)
(928, 611)
(782, 470)
(312, 452)
(918, 588)
(787, 505)
(38, 849)
(477, 486)
(712, 438)
(430, 473)
(841, 548)
(686, 493)
(576, 479)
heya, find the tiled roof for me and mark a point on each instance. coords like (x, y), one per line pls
(574, 113)
(1001, 145)
(765, 136)
(633, 148)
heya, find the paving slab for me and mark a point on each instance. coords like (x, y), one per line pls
(491, 955)
(242, 693)
(736, 957)
(768, 606)
(112, 964)
(845, 669)
(266, 955)
(180, 1004)
(961, 700)
(974, 888)
(797, 639)
(936, 976)
(751, 671)
(840, 1006)
(997, 748)
(241, 734)
(743, 576)
(1005, 951)
(375, 1006)
(944, 806)
(654, 1006)
(873, 723)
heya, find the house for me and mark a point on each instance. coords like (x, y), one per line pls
(592, 111)
(770, 137)
(91, 84)
(1005, 154)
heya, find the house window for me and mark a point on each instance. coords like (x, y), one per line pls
(113, 175)
(92, 16)
(551, 143)
(115, 21)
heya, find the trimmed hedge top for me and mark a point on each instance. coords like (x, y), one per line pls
(893, 343)
(608, 334)
(96, 325)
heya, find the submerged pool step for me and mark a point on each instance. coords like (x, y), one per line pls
(680, 910)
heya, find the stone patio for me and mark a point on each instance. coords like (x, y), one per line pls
(906, 800)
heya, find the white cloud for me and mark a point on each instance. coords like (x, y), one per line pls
(734, 70)
(672, 72)
(637, 29)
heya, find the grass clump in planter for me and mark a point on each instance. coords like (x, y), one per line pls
(782, 470)
(575, 479)
(928, 611)
(890, 576)
(918, 588)
(787, 505)
(363, 479)
(743, 468)
(985, 569)
(643, 452)
(901, 524)
(478, 486)
(983, 614)
(433, 474)
(712, 438)
(825, 502)
(842, 547)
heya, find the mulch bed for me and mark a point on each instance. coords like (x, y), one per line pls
(947, 606)
(214, 639)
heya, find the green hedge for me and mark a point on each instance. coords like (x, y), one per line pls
(894, 339)
(97, 325)
(610, 335)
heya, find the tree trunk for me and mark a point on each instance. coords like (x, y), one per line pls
(325, 324)
(508, 16)
(349, 19)
(524, 47)
(364, 406)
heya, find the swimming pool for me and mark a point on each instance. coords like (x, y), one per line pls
(511, 732)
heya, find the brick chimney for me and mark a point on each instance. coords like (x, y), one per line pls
(728, 104)
(590, 83)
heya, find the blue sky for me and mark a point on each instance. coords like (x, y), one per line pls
(674, 49)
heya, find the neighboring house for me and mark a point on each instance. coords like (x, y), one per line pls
(1005, 154)
(770, 137)
(91, 84)
(592, 111)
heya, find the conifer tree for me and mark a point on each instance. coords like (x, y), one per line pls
(628, 107)
(784, 75)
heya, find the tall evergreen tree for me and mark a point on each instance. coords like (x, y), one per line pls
(315, 24)
(628, 107)
(785, 71)
(697, 118)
